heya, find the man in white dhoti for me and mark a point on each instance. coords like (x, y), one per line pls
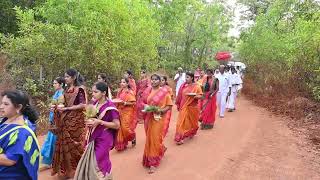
(235, 82)
(224, 90)
(179, 78)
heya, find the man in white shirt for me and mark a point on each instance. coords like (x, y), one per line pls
(179, 78)
(235, 82)
(240, 74)
(224, 91)
(216, 73)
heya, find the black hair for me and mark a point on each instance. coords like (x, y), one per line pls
(127, 81)
(103, 76)
(60, 80)
(81, 79)
(102, 86)
(157, 76)
(20, 98)
(191, 74)
(207, 85)
(78, 78)
(129, 72)
(165, 79)
(209, 70)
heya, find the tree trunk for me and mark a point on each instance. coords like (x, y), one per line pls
(41, 75)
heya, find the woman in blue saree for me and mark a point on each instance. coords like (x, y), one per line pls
(50, 141)
(19, 149)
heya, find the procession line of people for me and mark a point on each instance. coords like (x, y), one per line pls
(78, 144)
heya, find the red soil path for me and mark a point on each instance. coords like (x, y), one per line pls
(247, 144)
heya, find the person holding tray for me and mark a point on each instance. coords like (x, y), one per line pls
(189, 111)
(157, 104)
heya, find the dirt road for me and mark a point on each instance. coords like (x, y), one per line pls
(247, 144)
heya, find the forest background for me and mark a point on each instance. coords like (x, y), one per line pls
(40, 39)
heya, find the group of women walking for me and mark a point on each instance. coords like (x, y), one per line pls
(77, 145)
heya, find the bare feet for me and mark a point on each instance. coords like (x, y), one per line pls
(180, 142)
(152, 170)
(70, 174)
(134, 143)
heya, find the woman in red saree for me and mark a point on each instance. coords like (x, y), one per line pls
(209, 105)
(142, 85)
(126, 107)
(70, 127)
(164, 84)
(154, 148)
(189, 111)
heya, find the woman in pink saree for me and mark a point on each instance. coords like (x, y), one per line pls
(154, 148)
(164, 84)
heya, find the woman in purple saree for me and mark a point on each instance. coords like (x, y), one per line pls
(95, 163)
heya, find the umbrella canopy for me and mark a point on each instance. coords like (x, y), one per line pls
(223, 56)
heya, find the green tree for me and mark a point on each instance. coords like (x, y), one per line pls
(283, 46)
(191, 31)
(92, 36)
(8, 20)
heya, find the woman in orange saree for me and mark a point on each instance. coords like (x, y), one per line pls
(164, 84)
(126, 107)
(70, 127)
(189, 111)
(209, 105)
(154, 149)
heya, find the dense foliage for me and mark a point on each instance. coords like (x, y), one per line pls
(282, 49)
(110, 36)
(8, 20)
(191, 32)
(91, 36)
